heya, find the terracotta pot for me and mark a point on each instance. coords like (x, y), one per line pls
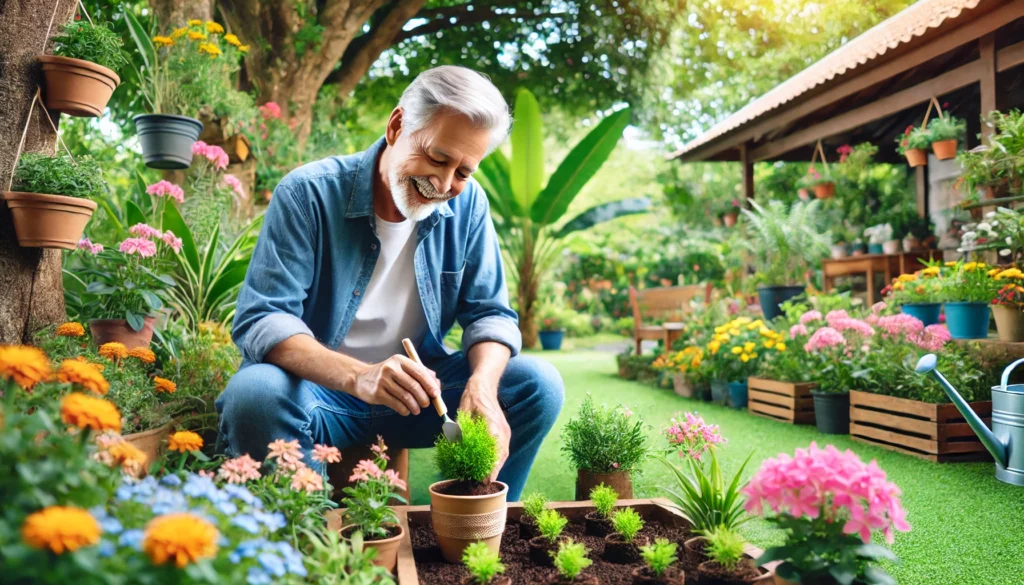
(618, 481)
(682, 386)
(76, 87)
(528, 528)
(910, 244)
(462, 520)
(387, 549)
(891, 247)
(1009, 322)
(150, 442)
(916, 157)
(729, 219)
(944, 149)
(48, 221)
(107, 330)
(693, 554)
(540, 549)
(617, 550)
(594, 524)
(671, 576)
(825, 190)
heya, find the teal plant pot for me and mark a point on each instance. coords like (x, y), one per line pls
(854, 249)
(738, 395)
(967, 320)
(875, 248)
(771, 297)
(167, 140)
(927, 313)
(832, 412)
(719, 391)
(551, 340)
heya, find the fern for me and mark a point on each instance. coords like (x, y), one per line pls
(785, 241)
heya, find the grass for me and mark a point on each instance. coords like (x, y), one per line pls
(967, 526)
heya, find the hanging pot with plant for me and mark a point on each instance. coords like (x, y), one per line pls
(50, 199)
(80, 76)
(944, 132)
(913, 144)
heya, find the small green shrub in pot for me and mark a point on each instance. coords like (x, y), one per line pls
(725, 547)
(571, 559)
(659, 556)
(51, 199)
(471, 460)
(946, 128)
(551, 523)
(95, 43)
(534, 504)
(627, 523)
(483, 563)
(81, 178)
(605, 445)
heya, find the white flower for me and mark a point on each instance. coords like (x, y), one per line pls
(1009, 240)
(970, 235)
(994, 223)
(1005, 252)
(990, 215)
(984, 227)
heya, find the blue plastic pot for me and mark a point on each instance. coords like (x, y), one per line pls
(551, 340)
(967, 320)
(771, 297)
(738, 394)
(719, 391)
(874, 248)
(927, 313)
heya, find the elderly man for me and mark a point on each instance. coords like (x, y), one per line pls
(359, 252)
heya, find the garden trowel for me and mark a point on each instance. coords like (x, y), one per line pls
(452, 431)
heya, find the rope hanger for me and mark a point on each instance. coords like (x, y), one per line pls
(938, 109)
(819, 150)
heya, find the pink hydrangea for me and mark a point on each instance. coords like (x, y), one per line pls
(166, 189)
(172, 241)
(824, 338)
(214, 154)
(810, 317)
(933, 338)
(236, 185)
(86, 245)
(326, 454)
(850, 324)
(307, 480)
(836, 315)
(692, 436)
(270, 111)
(815, 482)
(141, 246)
(143, 230)
(900, 326)
(797, 330)
(287, 454)
(240, 469)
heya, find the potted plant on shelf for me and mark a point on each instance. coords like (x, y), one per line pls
(605, 445)
(622, 546)
(366, 508)
(484, 566)
(533, 505)
(726, 564)
(785, 243)
(992, 170)
(467, 506)
(913, 144)
(836, 352)
(598, 523)
(81, 75)
(857, 247)
(570, 561)
(658, 560)
(1008, 308)
(917, 294)
(829, 533)
(967, 290)
(50, 200)
(550, 524)
(551, 326)
(944, 133)
(880, 236)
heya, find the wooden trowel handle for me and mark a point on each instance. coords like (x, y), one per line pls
(410, 350)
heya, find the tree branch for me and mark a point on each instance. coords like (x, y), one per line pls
(365, 49)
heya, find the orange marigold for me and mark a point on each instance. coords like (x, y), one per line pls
(143, 354)
(60, 529)
(84, 374)
(164, 385)
(71, 329)
(86, 412)
(114, 350)
(179, 538)
(184, 441)
(82, 359)
(131, 459)
(24, 364)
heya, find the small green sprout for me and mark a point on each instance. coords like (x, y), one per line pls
(627, 523)
(550, 523)
(604, 499)
(725, 547)
(483, 563)
(571, 559)
(659, 555)
(534, 503)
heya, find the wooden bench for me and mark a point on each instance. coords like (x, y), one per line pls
(669, 305)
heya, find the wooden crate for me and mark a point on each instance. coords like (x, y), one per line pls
(936, 432)
(781, 401)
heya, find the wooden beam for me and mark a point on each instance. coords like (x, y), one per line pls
(748, 172)
(795, 110)
(920, 93)
(987, 57)
(921, 189)
(1009, 57)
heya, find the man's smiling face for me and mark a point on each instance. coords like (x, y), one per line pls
(432, 165)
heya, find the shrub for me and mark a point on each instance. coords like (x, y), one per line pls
(604, 440)
(474, 457)
(659, 556)
(725, 547)
(624, 325)
(571, 559)
(98, 44)
(483, 563)
(604, 499)
(550, 523)
(946, 128)
(627, 523)
(913, 138)
(534, 503)
(58, 175)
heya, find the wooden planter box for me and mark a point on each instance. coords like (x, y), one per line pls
(936, 432)
(782, 401)
(650, 509)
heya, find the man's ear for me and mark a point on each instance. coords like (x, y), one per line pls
(394, 129)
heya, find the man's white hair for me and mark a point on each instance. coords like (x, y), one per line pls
(456, 89)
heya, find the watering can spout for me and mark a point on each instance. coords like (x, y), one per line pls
(926, 366)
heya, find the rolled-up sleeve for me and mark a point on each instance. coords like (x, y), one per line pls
(484, 311)
(278, 279)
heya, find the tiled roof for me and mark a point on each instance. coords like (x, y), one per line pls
(913, 21)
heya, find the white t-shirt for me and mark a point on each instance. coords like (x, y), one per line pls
(391, 308)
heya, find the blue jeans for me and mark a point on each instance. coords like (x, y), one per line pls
(263, 402)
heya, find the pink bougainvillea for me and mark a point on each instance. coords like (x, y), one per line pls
(692, 437)
(166, 189)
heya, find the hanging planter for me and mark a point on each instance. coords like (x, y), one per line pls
(79, 78)
(729, 219)
(944, 132)
(820, 183)
(167, 139)
(825, 190)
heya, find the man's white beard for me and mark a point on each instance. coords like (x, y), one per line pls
(406, 199)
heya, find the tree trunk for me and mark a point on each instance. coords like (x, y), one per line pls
(30, 278)
(175, 13)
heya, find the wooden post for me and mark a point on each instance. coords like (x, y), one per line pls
(921, 184)
(748, 172)
(989, 97)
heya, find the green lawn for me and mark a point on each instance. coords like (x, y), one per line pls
(967, 527)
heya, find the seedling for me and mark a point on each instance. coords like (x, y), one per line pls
(533, 504)
(474, 457)
(604, 499)
(627, 523)
(659, 556)
(550, 523)
(571, 559)
(483, 563)
(725, 547)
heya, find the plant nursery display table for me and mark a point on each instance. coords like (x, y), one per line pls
(891, 265)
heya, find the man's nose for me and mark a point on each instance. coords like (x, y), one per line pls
(443, 182)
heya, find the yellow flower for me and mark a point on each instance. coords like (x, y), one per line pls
(179, 538)
(745, 358)
(737, 350)
(60, 529)
(781, 346)
(749, 346)
(86, 412)
(232, 40)
(1010, 273)
(113, 351)
(769, 344)
(128, 456)
(164, 385)
(71, 329)
(243, 48)
(195, 22)
(950, 264)
(24, 364)
(178, 33)
(907, 277)
(83, 374)
(163, 41)
(972, 266)
(210, 49)
(183, 441)
(214, 28)
(196, 36)
(931, 271)
(734, 332)
(897, 286)
(143, 354)
(994, 272)
(714, 346)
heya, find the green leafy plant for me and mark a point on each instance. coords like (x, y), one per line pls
(627, 523)
(814, 178)
(571, 559)
(968, 282)
(659, 556)
(483, 563)
(58, 175)
(472, 459)
(913, 138)
(604, 499)
(604, 440)
(95, 43)
(725, 547)
(550, 524)
(534, 504)
(366, 504)
(946, 128)
(333, 561)
(704, 497)
(999, 164)
(785, 241)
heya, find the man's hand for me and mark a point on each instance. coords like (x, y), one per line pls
(481, 397)
(398, 383)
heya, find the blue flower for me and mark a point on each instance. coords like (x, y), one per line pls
(272, 520)
(131, 538)
(107, 549)
(110, 525)
(258, 576)
(242, 494)
(247, 523)
(272, 563)
(227, 507)
(171, 480)
(248, 549)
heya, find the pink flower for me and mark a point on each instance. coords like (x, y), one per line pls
(627, 412)
(206, 473)
(140, 246)
(878, 307)
(900, 326)
(85, 244)
(396, 482)
(810, 316)
(235, 184)
(933, 338)
(824, 338)
(380, 450)
(168, 189)
(173, 241)
(692, 436)
(288, 454)
(214, 154)
(144, 231)
(240, 469)
(326, 454)
(365, 470)
(270, 110)
(833, 316)
(797, 330)
(850, 324)
(305, 479)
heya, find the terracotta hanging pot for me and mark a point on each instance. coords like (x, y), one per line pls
(825, 190)
(76, 87)
(618, 481)
(916, 157)
(945, 149)
(729, 219)
(49, 221)
(108, 330)
(387, 548)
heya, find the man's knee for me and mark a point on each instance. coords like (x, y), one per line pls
(540, 383)
(256, 391)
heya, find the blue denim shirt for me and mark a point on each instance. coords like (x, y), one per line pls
(318, 247)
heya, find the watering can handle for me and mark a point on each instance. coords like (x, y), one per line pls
(1006, 373)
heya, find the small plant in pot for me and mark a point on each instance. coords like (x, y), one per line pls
(570, 562)
(944, 133)
(484, 566)
(968, 290)
(1008, 309)
(913, 144)
(917, 295)
(467, 506)
(622, 546)
(658, 568)
(878, 236)
(822, 184)
(50, 199)
(726, 564)
(604, 445)
(366, 508)
(533, 505)
(599, 523)
(550, 326)
(81, 74)
(550, 524)
(836, 353)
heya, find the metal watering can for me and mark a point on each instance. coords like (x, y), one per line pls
(1007, 420)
